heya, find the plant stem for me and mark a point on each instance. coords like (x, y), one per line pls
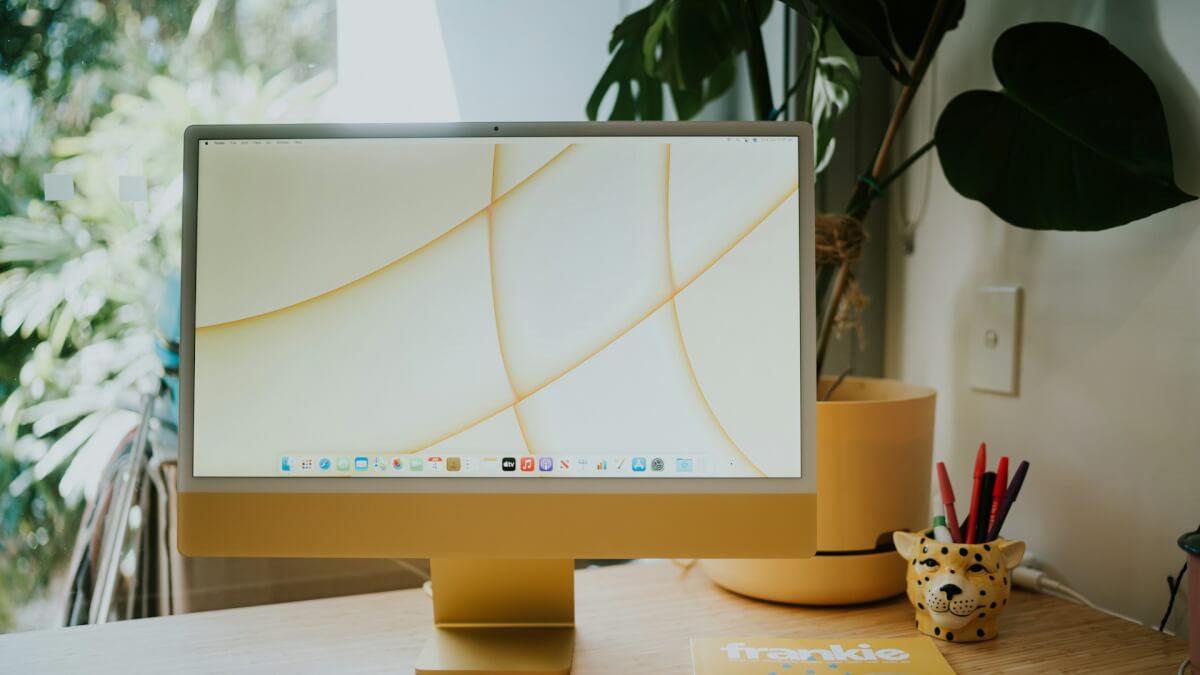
(933, 36)
(824, 280)
(791, 91)
(891, 177)
(756, 62)
(887, 180)
(839, 287)
(808, 74)
(786, 103)
(813, 59)
(859, 204)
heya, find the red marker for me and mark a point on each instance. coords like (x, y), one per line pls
(980, 469)
(998, 491)
(948, 502)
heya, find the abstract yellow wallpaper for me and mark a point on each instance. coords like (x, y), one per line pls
(585, 300)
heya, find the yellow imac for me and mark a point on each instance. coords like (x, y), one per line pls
(500, 346)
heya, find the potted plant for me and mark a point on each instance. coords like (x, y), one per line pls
(1076, 139)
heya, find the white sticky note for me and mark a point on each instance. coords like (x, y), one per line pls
(58, 187)
(132, 188)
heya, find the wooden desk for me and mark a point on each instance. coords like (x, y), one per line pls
(631, 619)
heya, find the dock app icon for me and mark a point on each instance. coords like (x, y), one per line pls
(508, 464)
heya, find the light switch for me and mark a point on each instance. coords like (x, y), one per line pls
(995, 342)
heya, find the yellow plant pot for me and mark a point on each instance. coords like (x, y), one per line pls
(874, 456)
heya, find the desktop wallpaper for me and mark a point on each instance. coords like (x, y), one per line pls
(593, 301)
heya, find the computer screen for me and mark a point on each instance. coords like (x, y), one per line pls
(549, 308)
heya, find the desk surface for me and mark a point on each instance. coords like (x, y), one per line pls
(631, 619)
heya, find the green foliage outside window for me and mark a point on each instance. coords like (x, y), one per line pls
(98, 89)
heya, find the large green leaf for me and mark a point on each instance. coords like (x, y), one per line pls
(1075, 140)
(626, 70)
(910, 19)
(863, 24)
(695, 51)
(888, 29)
(689, 45)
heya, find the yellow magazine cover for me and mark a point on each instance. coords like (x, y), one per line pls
(785, 656)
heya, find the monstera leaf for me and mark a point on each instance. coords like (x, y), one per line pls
(689, 45)
(627, 69)
(1075, 140)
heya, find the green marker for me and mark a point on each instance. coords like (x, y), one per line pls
(940, 531)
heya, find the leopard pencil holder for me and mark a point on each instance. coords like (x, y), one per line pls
(958, 591)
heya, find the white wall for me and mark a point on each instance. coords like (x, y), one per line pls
(473, 60)
(1109, 408)
(527, 59)
(540, 59)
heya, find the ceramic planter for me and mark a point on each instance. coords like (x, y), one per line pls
(874, 455)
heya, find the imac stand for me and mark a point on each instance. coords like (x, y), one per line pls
(501, 617)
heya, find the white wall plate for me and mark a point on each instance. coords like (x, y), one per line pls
(994, 350)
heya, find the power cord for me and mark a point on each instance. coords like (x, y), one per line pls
(684, 566)
(427, 582)
(897, 204)
(1173, 585)
(416, 571)
(1038, 581)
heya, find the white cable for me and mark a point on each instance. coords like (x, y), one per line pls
(1071, 597)
(1038, 581)
(1063, 589)
(1183, 667)
(1028, 578)
(897, 204)
(416, 571)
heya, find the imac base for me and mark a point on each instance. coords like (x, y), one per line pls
(501, 617)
